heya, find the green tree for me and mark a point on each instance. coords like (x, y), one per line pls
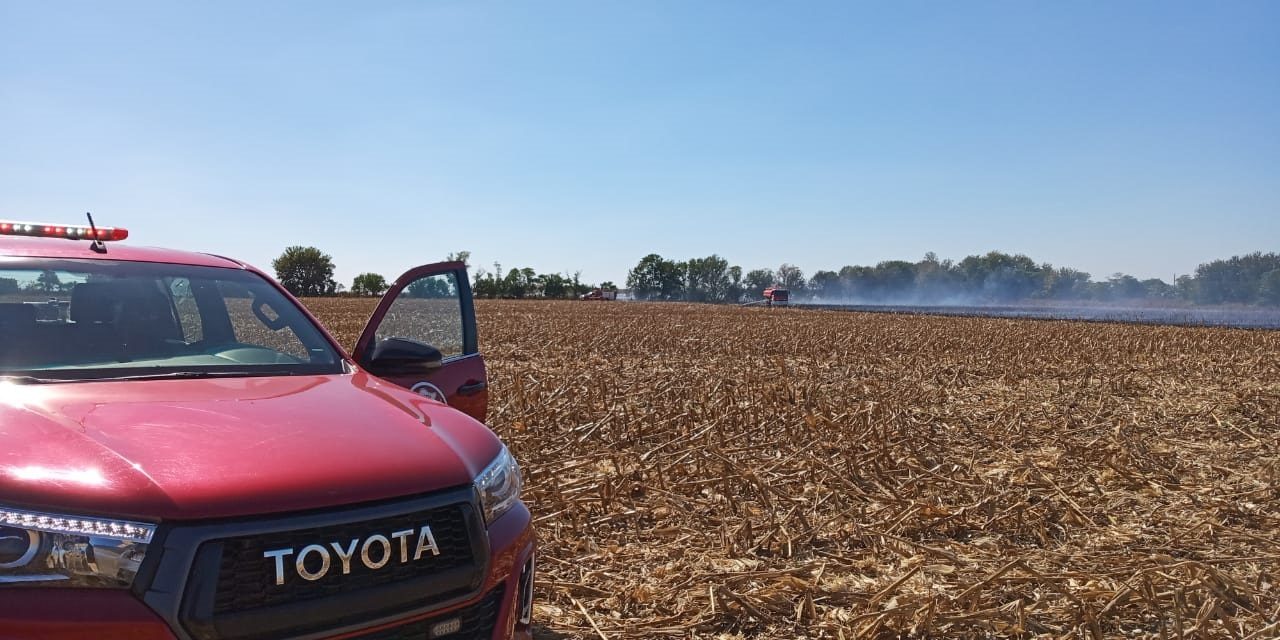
(825, 285)
(1269, 288)
(554, 285)
(1236, 279)
(305, 271)
(656, 278)
(48, 282)
(441, 286)
(520, 283)
(791, 278)
(934, 280)
(756, 281)
(645, 280)
(1126, 287)
(1065, 283)
(1001, 277)
(577, 288)
(369, 284)
(532, 287)
(1158, 289)
(1187, 287)
(895, 279)
(707, 279)
(462, 256)
(9, 286)
(858, 283)
(513, 285)
(735, 292)
(490, 285)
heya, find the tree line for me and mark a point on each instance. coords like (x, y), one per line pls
(993, 278)
(307, 271)
(46, 282)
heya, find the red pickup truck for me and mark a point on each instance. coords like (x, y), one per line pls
(186, 453)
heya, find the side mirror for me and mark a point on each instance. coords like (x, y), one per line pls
(401, 355)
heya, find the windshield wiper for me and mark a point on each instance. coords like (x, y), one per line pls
(184, 375)
(171, 375)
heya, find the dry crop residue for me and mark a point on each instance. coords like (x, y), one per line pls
(703, 471)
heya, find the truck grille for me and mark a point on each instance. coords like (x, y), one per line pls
(232, 591)
(246, 579)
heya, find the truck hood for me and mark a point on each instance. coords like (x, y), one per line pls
(209, 448)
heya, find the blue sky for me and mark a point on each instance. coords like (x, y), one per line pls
(1141, 137)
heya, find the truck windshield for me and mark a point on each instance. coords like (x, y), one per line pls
(63, 320)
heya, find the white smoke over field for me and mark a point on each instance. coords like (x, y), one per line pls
(1250, 318)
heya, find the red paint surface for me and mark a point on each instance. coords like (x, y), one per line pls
(451, 377)
(76, 614)
(184, 449)
(60, 248)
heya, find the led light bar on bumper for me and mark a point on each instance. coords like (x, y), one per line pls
(68, 231)
(499, 486)
(70, 551)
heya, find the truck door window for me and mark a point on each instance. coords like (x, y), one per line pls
(429, 310)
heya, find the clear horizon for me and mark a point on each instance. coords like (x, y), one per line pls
(1141, 138)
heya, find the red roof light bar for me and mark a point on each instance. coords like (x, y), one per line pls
(67, 231)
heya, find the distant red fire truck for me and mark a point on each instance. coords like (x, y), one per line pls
(776, 296)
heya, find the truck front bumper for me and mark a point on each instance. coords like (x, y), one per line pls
(38, 613)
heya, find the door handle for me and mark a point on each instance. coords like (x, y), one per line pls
(472, 388)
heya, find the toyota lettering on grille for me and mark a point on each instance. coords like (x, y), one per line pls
(376, 551)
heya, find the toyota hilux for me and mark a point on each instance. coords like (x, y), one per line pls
(186, 453)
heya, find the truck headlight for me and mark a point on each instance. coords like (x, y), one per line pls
(499, 486)
(45, 549)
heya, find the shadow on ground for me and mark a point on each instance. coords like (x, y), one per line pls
(541, 632)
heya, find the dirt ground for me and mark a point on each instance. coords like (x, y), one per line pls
(700, 471)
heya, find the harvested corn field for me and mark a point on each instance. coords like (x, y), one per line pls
(701, 471)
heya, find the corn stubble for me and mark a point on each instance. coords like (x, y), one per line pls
(706, 471)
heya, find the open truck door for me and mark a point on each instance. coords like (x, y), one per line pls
(422, 336)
